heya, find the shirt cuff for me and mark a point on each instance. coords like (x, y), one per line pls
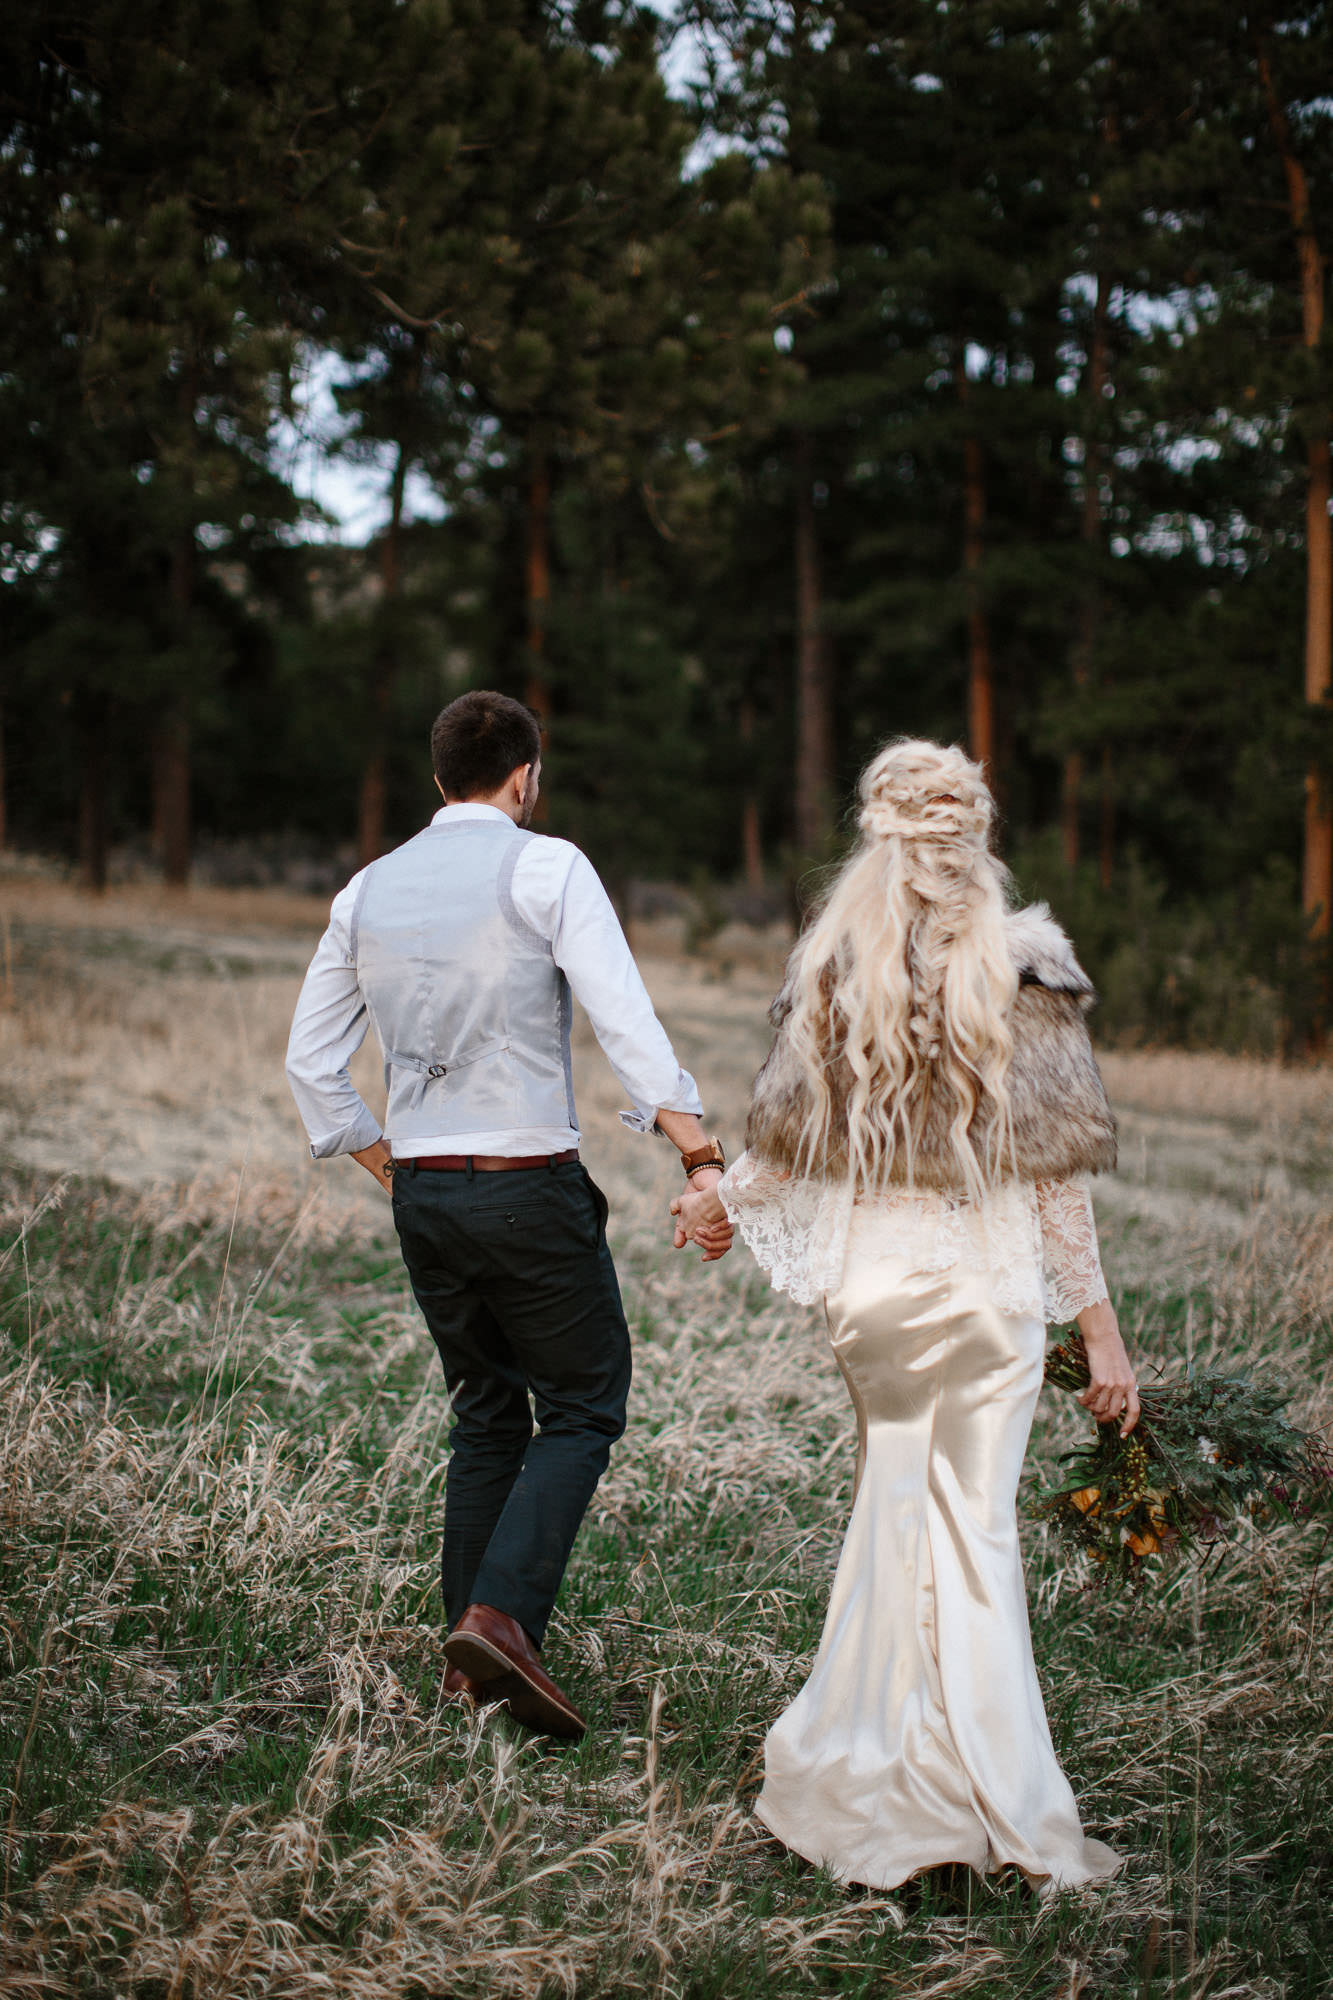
(639, 1120)
(684, 1097)
(352, 1139)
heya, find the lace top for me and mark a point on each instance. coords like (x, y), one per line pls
(1037, 1240)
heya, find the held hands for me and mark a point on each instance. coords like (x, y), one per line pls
(700, 1217)
(1112, 1396)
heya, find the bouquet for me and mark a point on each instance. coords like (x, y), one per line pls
(1205, 1453)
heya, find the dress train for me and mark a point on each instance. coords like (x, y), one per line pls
(920, 1737)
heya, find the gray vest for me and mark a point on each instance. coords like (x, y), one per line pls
(472, 1012)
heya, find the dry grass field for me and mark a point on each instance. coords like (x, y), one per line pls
(226, 1768)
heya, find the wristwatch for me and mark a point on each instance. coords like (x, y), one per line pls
(710, 1155)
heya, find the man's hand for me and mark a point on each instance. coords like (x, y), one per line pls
(701, 1218)
(378, 1163)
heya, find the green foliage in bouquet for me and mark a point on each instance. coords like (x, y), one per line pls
(1205, 1453)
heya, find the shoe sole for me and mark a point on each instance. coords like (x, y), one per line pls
(526, 1702)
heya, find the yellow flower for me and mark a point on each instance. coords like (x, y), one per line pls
(1153, 1536)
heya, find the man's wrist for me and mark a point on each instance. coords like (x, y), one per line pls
(710, 1154)
(378, 1160)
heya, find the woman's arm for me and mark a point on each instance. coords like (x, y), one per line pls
(1078, 1291)
(1113, 1391)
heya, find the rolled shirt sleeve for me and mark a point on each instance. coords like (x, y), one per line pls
(328, 1028)
(558, 891)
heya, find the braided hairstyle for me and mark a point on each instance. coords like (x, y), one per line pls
(905, 973)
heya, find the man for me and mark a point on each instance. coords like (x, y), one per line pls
(462, 947)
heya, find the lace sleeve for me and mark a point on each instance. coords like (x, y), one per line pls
(1072, 1270)
(795, 1229)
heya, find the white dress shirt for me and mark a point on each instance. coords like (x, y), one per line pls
(557, 892)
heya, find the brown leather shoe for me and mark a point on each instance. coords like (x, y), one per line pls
(495, 1653)
(455, 1681)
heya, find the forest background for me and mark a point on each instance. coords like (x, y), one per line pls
(745, 383)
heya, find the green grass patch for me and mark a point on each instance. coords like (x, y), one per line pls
(230, 1771)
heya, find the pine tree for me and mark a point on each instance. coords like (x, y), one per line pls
(417, 269)
(1129, 78)
(196, 183)
(1231, 401)
(123, 143)
(1304, 49)
(760, 89)
(637, 318)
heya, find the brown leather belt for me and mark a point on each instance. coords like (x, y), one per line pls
(486, 1163)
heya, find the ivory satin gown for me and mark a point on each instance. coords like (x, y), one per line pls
(920, 1737)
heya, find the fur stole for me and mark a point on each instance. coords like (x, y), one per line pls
(1062, 1121)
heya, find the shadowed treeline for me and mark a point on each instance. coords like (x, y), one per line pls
(903, 367)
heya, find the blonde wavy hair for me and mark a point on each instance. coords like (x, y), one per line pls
(905, 973)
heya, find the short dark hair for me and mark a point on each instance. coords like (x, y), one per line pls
(479, 739)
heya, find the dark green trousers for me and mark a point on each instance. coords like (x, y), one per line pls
(516, 1282)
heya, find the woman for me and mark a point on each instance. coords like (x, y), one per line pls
(915, 1153)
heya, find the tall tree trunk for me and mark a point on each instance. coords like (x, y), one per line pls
(171, 739)
(980, 666)
(1317, 872)
(1106, 829)
(752, 846)
(537, 580)
(374, 787)
(537, 597)
(92, 797)
(171, 792)
(1317, 869)
(1090, 533)
(814, 677)
(4, 796)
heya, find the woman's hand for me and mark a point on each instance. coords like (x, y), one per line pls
(1113, 1392)
(701, 1217)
